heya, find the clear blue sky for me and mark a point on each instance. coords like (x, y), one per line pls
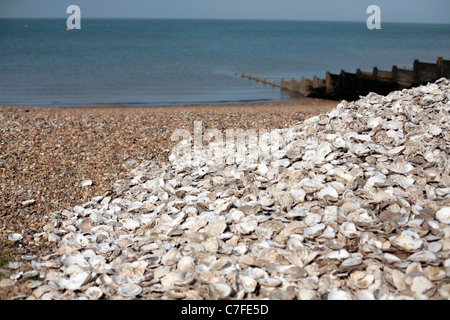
(420, 11)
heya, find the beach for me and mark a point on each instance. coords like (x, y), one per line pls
(352, 204)
(46, 154)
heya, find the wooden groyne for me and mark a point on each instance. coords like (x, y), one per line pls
(350, 86)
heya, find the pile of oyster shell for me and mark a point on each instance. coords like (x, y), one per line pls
(357, 207)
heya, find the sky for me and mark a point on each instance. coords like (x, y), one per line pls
(412, 11)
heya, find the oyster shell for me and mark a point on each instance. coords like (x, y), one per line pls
(352, 204)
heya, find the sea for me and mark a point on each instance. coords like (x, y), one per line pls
(163, 62)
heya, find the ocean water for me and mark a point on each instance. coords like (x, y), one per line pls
(173, 62)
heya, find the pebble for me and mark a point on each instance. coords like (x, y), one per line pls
(86, 183)
(15, 237)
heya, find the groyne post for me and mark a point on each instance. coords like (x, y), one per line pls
(303, 87)
(375, 73)
(416, 71)
(394, 75)
(350, 86)
(440, 67)
(328, 82)
(292, 84)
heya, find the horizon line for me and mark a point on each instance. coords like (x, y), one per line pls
(220, 19)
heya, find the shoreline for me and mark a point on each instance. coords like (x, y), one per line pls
(292, 105)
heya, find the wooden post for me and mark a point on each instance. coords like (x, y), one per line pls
(303, 87)
(394, 75)
(315, 85)
(328, 81)
(440, 68)
(359, 80)
(416, 72)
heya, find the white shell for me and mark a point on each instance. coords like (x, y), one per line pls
(408, 241)
(249, 284)
(351, 262)
(435, 246)
(423, 256)
(222, 290)
(94, 293)
(298, 194)
(270, 282)
(312, 219)
(421, 284)
(129, 290)
(348, 229)
(328, 193)
(314, 231)
(76, 258)
(390, 258)
(76, 280)
(15, 237)
(443, 215)
(14, 265)
(246, 227)
(266, 202)
(86, 183)
(336, 294)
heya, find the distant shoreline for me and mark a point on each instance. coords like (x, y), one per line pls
(308, 105)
